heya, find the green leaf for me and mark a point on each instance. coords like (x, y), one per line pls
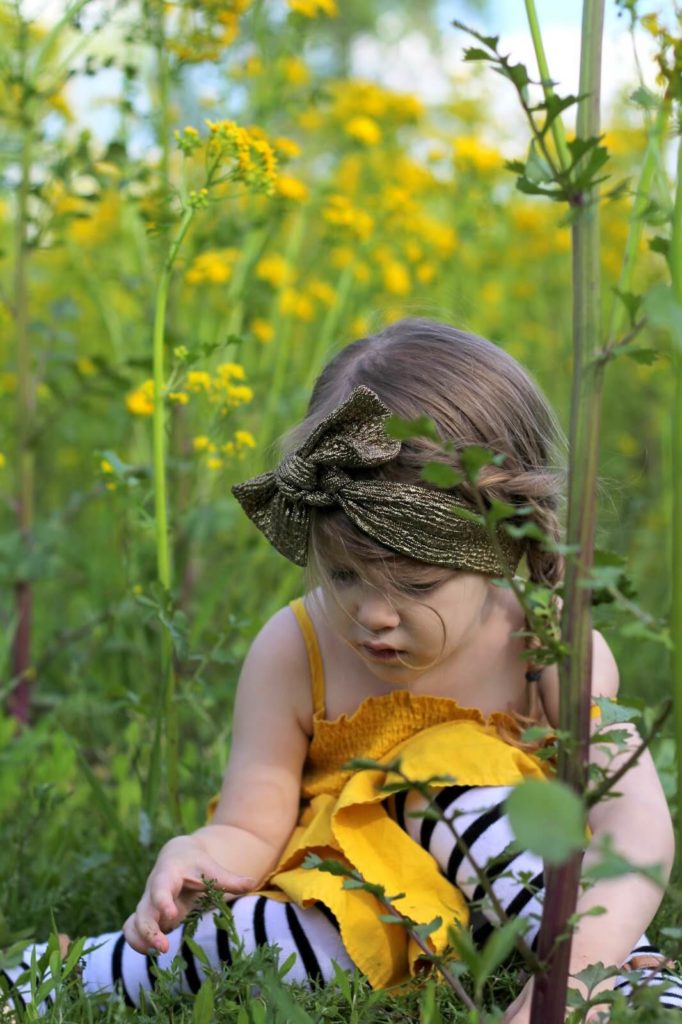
(401, 429)
(500, 510)
(428, 1010)
(204, 1002)
(465, 513)
(660, 244)
(632, 303)
(537, 170)
(475, 457)
(441, 475)
(641, 631)
(643, 97)
(473, 53)
(533, 804)
(643, 356)
(663, 310)
(612, 711)
(497, 949)
(332, 867)
(530, 530)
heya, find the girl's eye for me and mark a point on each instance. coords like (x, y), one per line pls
(342, 576)
(423, 588)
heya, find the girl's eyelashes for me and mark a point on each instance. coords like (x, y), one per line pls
(341, 576)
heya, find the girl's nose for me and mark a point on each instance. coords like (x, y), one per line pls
(376, 612)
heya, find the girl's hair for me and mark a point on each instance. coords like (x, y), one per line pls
(476, 394)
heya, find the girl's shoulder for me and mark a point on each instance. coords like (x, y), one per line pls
(277, 664)
(605, 678)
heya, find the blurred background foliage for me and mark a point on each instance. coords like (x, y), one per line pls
(383, 205)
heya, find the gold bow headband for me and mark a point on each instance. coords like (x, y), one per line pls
(420, 522)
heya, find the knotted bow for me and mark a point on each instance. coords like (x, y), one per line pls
(421, 522)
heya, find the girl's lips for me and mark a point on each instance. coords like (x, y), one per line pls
(382, 652)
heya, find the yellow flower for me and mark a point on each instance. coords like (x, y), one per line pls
(286, 148)
(214, 463)
(262, 330)
(310, 120)
(289, 187)
(341, 256)
(322, 291)
(396, 278)
(651, 24)
(426, 273)
(274, 269)
(228, 448)
(359, 326)
(413, 251)
(179, 397)
(198, 380)
(341, 213)
(362, 272)
(212, 267)
(313, 8)
(231, 371)
(363, 129)
(299, 305)
(200, 443)
(296, 71)
(472, 154)
(492, 293)
(3, 461)
(628, 445)
(86, 366)
(244, 439)
(140, 402)
(253, 66)
(106, 466)
(239, 394)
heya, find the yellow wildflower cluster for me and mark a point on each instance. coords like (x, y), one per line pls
(274, 269)
(3, 460)
(140, 402)
(255, 162)
(296, 304)
(314, 8)
(214, 266)
(216, 454)
(292, 188)
(340, 212)
(215, 26)
(376, 103)
(471, 154)
(285, 148)
(295, 70)
(262, 330)
(363, 129)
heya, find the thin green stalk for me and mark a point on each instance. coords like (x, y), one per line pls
(330, 324)
(20, 701)
(549, 996)
(557, 125)
(650, 164)
(167, 710)
(676, 615)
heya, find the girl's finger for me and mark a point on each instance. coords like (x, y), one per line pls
(226, 880)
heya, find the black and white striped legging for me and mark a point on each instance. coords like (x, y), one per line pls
(484, 836)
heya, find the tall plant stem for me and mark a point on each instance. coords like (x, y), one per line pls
(20, 700)
(549, 998)
(167, 717)
(676, 617)
(558, 133)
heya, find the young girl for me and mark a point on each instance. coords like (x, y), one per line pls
(403, 647)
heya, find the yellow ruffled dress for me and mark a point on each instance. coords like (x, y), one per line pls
(343, 815)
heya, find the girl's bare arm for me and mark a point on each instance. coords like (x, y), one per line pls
(259, 800)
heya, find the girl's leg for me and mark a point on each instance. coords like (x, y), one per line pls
(312, 934)
(479, 836)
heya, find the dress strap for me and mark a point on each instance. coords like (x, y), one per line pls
(314, 657)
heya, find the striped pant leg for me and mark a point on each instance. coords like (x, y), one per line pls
(478, 820)
(475, 815)
(110, 964)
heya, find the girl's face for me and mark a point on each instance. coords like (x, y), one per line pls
(403, 632)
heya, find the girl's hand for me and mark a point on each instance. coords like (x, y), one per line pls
(172, 889)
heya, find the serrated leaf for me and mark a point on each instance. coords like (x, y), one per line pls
(473, 53)
(660, 244)
(612, 711)
(441, 475)
(464, 513)
(332, 867)
(475, 457)
(632, 303)
(663, 310)
(641, 631)
(643, 356)
(532, 804)
(643, 97)
(402, 430)
(529, 530)
(537, 170)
